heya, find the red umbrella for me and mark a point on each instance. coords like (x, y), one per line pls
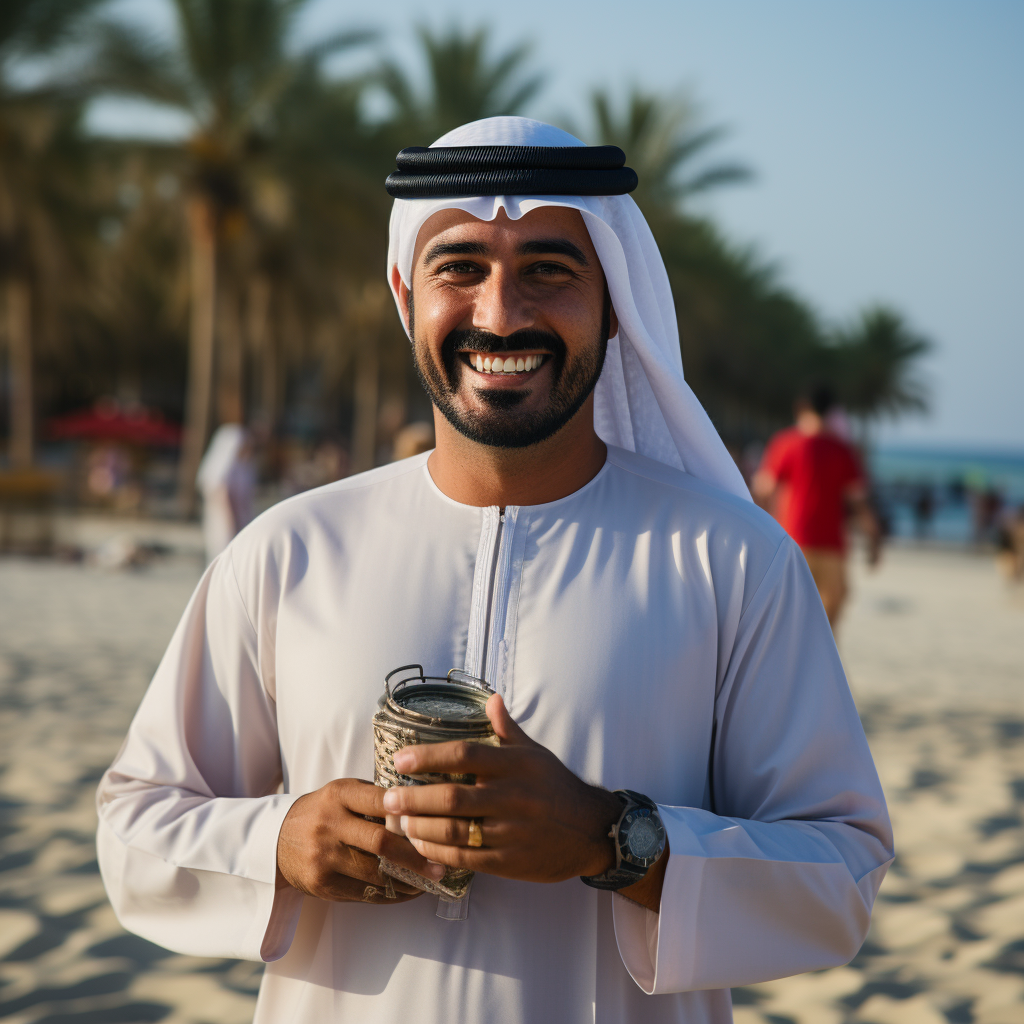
(108, 421)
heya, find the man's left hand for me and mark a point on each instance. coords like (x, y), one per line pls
(539, 822)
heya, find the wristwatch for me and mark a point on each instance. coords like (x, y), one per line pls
(639, 838)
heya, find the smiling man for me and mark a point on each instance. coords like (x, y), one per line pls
(683, 799)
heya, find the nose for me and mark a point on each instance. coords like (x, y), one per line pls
(501, 307)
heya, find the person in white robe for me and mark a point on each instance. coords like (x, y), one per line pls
(645, 626)
(226, 479)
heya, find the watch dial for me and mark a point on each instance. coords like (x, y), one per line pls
(643, 838)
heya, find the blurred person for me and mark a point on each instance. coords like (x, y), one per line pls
(107, 469)
(580, 538)
(812, 480)
(227, 482)
(1010, 542)
(986, 508)
(413, 439)
(923, 508)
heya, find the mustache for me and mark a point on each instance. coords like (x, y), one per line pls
(479, 340)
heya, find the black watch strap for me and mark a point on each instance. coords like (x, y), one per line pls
(624, 873)
(616, 878)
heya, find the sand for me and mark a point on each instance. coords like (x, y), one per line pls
(934, 645)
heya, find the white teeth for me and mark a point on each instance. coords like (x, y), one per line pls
(510, 365)
(487, 364)
(531, 362)
(520, 365)
(480, 362)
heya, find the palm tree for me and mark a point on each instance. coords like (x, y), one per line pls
(465, 83)
(666, 144)
(40, 168)
(874, 362)
(227, 69)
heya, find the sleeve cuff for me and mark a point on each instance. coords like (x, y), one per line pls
(640, 933)
(278, 913)
(636, 934)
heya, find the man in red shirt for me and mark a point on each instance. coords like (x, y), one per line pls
(811, 480)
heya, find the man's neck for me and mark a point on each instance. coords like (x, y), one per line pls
(810, 423)
(478, 474)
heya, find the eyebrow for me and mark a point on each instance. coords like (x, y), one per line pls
(443, 249)
(535, 247)
(559, 246)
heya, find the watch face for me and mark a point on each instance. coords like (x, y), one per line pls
(641, 837)
(644, 838)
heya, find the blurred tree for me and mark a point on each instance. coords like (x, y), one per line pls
(41, 158)
(228, 69)
(464, 83)
(874, 365)
(667, 145)
(751, 345)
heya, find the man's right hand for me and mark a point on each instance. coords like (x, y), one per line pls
(327, 849)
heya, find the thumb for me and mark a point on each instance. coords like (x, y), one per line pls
(504, 726)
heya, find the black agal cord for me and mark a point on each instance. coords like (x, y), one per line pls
(447, 172)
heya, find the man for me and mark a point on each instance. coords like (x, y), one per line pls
(814, 480)
(227, 480)
(644, 625)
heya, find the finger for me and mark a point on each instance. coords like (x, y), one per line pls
(491, 861)
(366, 841)
(359, 796)
(506, 728)
(366, 868)
(454, 831)
(445, 799)
(456, 757)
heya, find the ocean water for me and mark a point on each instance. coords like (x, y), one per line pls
(956, 481)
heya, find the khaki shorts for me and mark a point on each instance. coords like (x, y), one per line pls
(828, 567)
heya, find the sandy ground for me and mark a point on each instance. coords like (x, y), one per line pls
(934, 645)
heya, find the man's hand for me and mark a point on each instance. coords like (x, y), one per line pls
(539, 822)
(327, 849)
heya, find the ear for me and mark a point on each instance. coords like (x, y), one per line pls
(403, 295)
(613, 323)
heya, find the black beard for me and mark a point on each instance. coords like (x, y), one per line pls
(572, 383)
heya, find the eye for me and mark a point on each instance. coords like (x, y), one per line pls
(460, 268)
(549, 268)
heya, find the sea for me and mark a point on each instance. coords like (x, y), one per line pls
(960, 494)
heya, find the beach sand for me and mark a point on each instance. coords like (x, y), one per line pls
(934, 646)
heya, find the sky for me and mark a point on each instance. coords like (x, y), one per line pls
(886, 137)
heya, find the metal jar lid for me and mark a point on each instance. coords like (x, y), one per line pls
(454, 704)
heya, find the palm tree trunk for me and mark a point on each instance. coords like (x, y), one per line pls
(203, 283)
(261, 344)
(19, 372)
(364, 421)
(230, 404)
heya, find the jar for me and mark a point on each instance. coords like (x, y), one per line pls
(418, 708)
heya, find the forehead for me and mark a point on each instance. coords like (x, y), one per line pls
(501, 233)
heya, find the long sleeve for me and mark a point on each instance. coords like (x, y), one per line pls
(779, 877)
(188, 812)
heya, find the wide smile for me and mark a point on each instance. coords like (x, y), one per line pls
(505, 364)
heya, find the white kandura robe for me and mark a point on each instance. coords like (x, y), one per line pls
(653, 631)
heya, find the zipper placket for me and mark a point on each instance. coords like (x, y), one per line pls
(491, 585)
(487, 614)
(495, 647)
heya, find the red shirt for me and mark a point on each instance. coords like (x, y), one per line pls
(814, 471)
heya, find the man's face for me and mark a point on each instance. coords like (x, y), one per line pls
(510, 321)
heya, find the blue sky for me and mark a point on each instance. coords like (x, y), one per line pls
(887, 137)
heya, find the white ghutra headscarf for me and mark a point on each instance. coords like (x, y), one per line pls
(641, 403)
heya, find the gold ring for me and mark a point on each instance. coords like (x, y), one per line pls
(476, 834)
